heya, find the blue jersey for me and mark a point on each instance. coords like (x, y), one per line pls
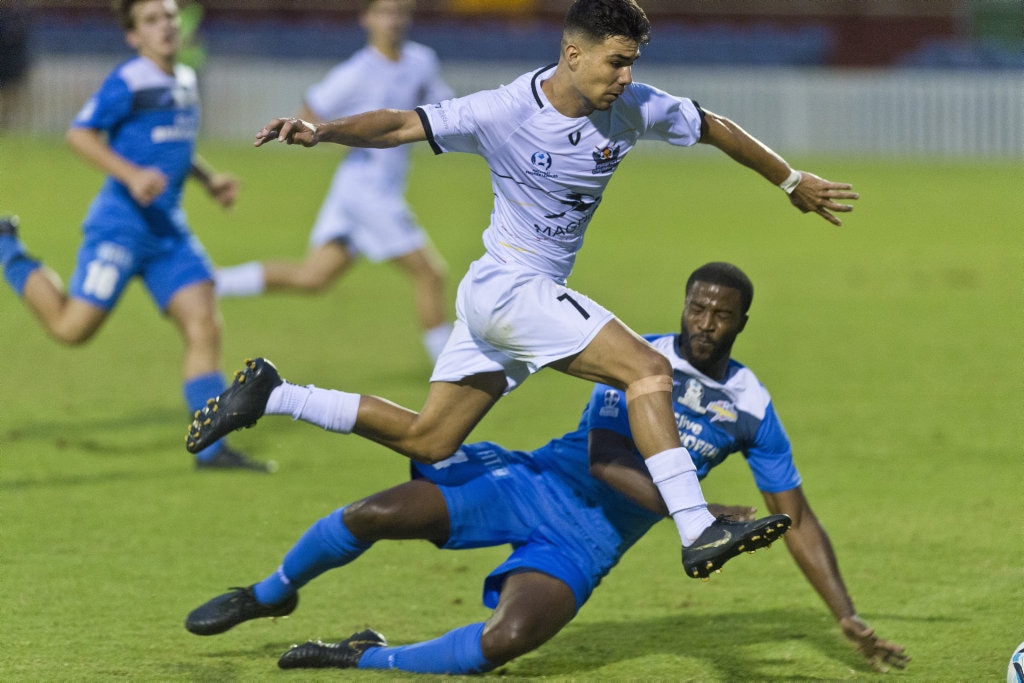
(564, 522)
(151, 118)
(714, 418)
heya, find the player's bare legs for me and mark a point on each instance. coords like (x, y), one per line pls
(68, 320)
(619, 357)
(427, 271)
(194, 311)
(533, 607)
(322, 266)
(449, 414)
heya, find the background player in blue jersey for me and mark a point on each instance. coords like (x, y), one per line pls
(365, 213)
(140, 128)
(552, 140)
(567, 527)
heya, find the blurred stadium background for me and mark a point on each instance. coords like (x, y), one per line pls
(904, 77)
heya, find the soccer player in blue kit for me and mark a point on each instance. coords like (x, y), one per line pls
(552, 140)
(554, 505)
(140, 128)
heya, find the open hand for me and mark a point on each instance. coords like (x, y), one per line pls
(817, 195)
(881, 654)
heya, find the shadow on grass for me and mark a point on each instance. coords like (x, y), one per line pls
(112, 438)
(63, 429)
(584, 648)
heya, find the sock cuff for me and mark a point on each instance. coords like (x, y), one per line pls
(668, 464)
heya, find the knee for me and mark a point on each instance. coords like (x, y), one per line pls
(507, 639)
(202, 330)
(648, 365)
(430, 451)
(72, 336)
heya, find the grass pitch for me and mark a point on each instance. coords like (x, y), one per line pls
(891, 346)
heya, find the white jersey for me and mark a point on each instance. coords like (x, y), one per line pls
(367, 81)
(549, 171)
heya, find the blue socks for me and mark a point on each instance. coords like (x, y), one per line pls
(456, 652)
(16, 263)
(325, 545)
(197, 390)
(329, 544)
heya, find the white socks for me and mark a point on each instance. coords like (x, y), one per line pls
(435, 338)
(242, 280)
(332, 410)
(676, 478)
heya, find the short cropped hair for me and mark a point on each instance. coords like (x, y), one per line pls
(601, 19)
(726, 275)
(123, 11)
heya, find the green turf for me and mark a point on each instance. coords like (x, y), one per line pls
(892, 347)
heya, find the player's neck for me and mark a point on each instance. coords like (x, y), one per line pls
(390, 50)
(564, 97)
(165, 64)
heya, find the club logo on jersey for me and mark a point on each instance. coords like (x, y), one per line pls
(606, 159)
(574, 138)
(722, 411)
(611, 404)
(692, 396)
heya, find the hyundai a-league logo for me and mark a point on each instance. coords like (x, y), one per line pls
(541, 161)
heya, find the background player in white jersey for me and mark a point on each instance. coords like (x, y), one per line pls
(140, 128)
(488, 495)
(365, 213)
(552, 140)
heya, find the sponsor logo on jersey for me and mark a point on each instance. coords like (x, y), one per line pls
(606, 159)
(722, 411)
(182, 130)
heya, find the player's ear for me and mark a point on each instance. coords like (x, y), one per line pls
(573, 54)
(743, 324)
(132, 38)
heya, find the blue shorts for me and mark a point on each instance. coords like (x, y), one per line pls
(108, 259)
(496, 496)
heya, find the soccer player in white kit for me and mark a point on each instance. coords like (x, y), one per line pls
(552, 140)
(365, 212)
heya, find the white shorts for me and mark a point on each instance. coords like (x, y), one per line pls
(516, 321)
(370, 223)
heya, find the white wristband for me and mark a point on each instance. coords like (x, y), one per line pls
(790, 183)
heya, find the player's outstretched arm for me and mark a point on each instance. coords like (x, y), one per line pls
(810, 193)
(380, 128)
(810, 546)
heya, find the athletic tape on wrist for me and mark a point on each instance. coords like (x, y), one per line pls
(790, 183)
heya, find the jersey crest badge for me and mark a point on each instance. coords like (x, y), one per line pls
(692, 396)
(611, 404)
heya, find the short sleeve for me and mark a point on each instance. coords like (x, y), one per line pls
(107, 108)
(771, 457)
